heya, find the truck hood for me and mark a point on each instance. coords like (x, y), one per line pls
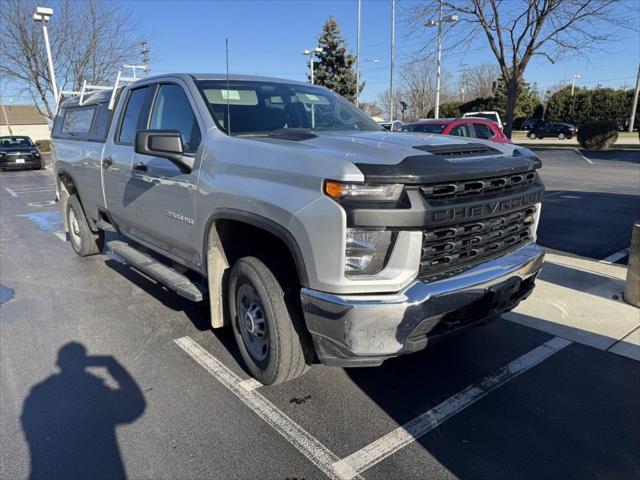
(415, 158)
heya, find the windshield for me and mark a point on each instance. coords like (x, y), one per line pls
(15, 142)
(269, 108)
(423, 127)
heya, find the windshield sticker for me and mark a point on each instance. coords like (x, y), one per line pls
(230, 94)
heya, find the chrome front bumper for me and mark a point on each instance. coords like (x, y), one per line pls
(365, 330)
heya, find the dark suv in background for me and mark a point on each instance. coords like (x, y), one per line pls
(558, 130)
(19, 152)
(531, 124)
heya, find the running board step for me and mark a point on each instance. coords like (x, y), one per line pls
(157, 270)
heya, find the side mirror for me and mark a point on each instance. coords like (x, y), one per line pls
(38, 144)
(163, 143)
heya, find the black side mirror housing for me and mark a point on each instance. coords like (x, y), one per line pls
(38, 144)
(163, 143)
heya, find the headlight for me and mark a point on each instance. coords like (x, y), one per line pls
(366, 192)
(36, 153)
(367, 251)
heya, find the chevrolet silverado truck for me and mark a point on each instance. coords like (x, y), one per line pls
(312, 231)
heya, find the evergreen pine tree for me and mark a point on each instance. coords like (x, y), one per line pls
(334, 67)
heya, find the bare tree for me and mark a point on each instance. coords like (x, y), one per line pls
(384, 100)
(480, 80)
(517, 30)
(419, 81)
(89, 41)
(371, 108)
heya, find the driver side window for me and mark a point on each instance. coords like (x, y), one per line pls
(172, 111)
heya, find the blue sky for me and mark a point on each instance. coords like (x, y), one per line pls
(267, 36)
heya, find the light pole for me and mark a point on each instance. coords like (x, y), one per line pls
(6, 117)
(43, 14)
(393, 48)
(310, 53)
(632, 118)
(358, 54)
(438, 23)
(573, 83)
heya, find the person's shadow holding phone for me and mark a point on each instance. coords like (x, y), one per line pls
(70, 418)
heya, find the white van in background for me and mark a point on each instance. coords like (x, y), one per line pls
(493, 116)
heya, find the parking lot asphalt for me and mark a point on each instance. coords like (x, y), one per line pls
(591, 201)
(105, 373)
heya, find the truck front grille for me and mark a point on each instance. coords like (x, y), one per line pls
(478, 187)
(449, 250)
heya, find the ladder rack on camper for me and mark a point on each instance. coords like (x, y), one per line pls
(86, 89)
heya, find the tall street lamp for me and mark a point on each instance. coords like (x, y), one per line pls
(438, 23)
(573, 83)
(393, 48)
(358, 54)
(43, 14)
(310, 53)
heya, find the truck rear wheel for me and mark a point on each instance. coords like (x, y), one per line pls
(264, 323)
(83, 240)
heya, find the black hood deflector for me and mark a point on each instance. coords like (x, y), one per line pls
(427, 169)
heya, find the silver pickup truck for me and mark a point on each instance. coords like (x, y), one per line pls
(315, 233)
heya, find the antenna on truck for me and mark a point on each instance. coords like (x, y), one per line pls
(226, 40)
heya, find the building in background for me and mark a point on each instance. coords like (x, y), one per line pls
(24, 120)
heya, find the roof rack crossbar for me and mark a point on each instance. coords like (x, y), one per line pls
(120, 81)
(86, 88)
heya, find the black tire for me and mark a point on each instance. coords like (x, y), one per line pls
(284, 357)
(43, 164)
(83, 240)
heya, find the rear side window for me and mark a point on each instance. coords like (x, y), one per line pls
(172, 111)
(101, 123)
(77, 121)
(482, 131)
(461, 131)
(131, 118)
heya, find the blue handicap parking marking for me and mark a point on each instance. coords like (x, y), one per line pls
(46, 221)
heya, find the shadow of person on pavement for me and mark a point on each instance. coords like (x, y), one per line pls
(70, 418)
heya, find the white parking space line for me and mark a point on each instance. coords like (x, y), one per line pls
(16, 191)
(582, 156)
(385, 446)
(614, 257)
(302, 440)
(61, 236)
(553, 194)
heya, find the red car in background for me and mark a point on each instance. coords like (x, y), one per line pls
(461, 127)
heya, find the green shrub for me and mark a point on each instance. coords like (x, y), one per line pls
(45, 145)
(598, 135)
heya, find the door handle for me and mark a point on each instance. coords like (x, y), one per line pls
(140, 167)
(107, 162)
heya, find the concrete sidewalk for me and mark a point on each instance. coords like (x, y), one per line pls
(581, 300)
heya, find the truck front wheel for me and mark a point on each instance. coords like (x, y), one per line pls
(264, 323)
(83, 240)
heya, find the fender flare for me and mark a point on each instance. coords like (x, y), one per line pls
(63, 172)
(263, 223)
